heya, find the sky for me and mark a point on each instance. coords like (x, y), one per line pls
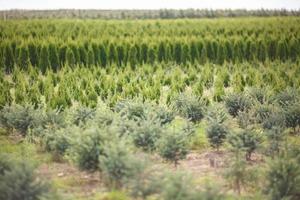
(149, 4)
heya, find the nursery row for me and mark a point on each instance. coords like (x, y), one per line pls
(158, 82)
(51, 44)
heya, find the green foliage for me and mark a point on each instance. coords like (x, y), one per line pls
(81, 115)
(86, 147)
(217, 113)
(18, 117)
(238, 174)
(173, 145)
(53, 58)
(275, 138)
(44, 62)
(275, 119)
(19, 182)
(103, 56)
(287, 97)
(58, 141)
(90, 57)
(292, 116)
(236, 103)
(189, 106)
(146, 134)
(246, 140)
(9, 59)
(283, 178)
(216, 134)
(23, 57)
(178, 186)
(118, 164)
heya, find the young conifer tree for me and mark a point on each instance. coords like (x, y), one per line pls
(23, 57)
(44, 62)
(8, 59)
(53, 57)
(103, 56)
(70, 58)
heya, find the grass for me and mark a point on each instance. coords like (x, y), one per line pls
(199, 141)
(21, 149)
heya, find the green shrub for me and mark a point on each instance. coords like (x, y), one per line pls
(275, 138)
(217, 113)
(18, 117)
(286, 97)
(118, 164)
(19, 182)
(178, 186)
(238, 173)
(163, 115)
(146, 134)
(146, 183)
(283, 178)
(292, 116)
(173, 145)
(58, 141)
(189, 106)
(276, 119)
(246, 119)
(246, 140)
(131, 109)
(263, 112)
(210, 192)
(236, 103)
(81, 115)
(86, 147)
(216, 134)
(258, 94)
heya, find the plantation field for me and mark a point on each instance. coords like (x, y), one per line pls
(181, 109)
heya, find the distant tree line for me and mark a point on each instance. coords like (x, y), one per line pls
(143, 14)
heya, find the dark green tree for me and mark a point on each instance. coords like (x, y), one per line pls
(272, 50)
(210, 51)
(185, 54)
(161, 54)
(23, 57)
(203, 55)
(44, 62)
(133, 56)
(70, 58)
(144, 53)
(282, 51)
(216, 133)
(83, 56)
(112, 55)
(221, 54)
(194, 52)
(62, 54)
(96, 53)
(103, 56)
(9, 59)
(91, 57)
(151, 56)
(261, 51)
(178, 53)
(120, 54)
(33, 54)
(53, 57)
(76, 52)
(294, 49)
